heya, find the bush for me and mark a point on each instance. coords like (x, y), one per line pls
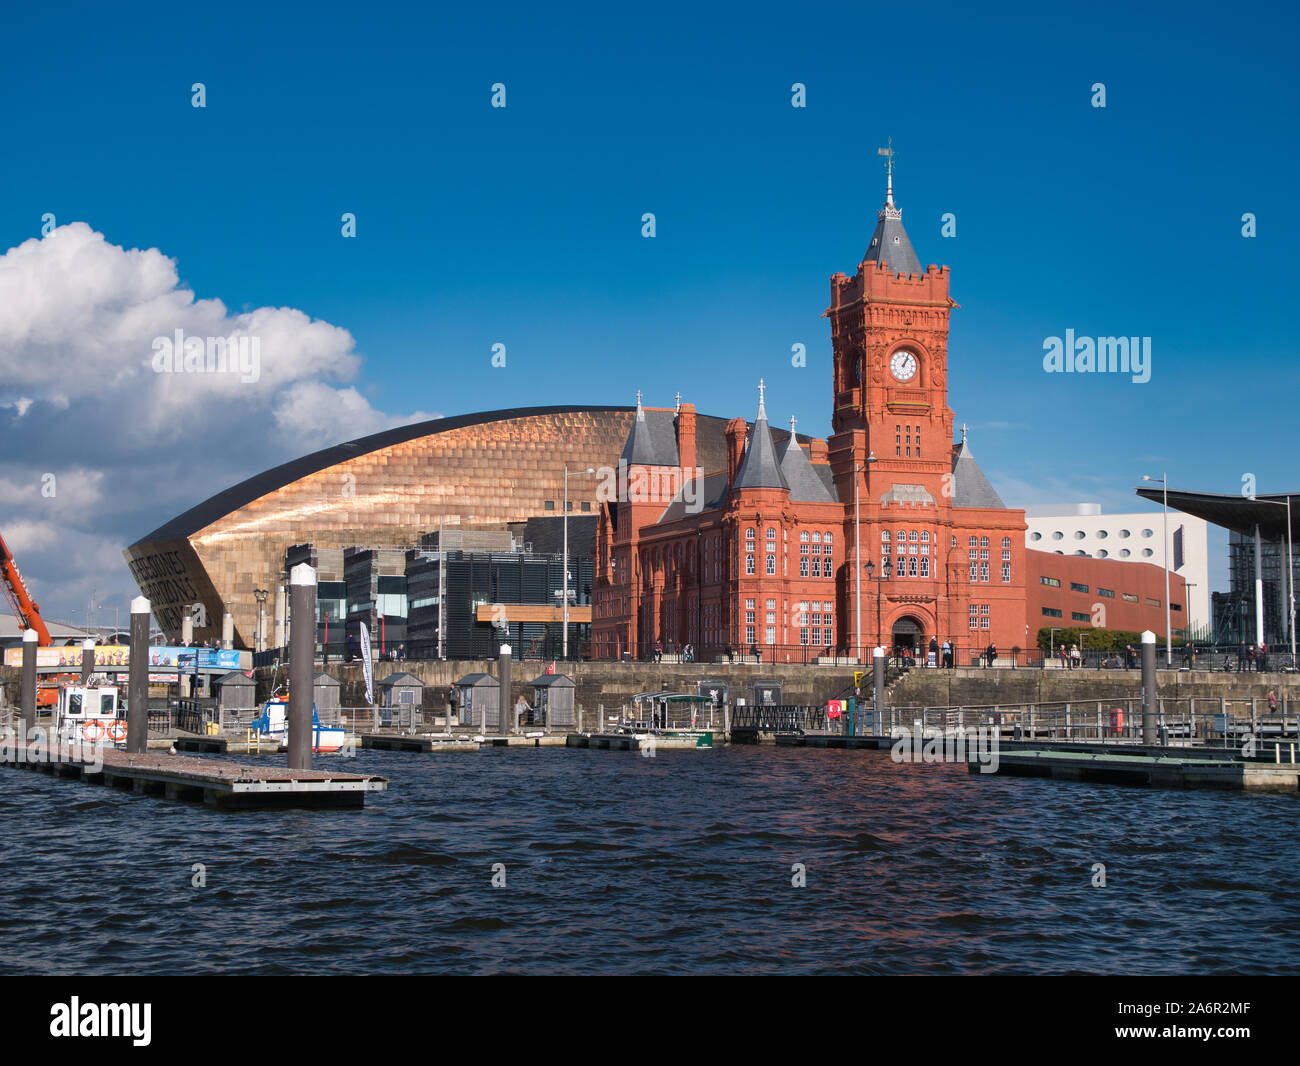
(1088, 639)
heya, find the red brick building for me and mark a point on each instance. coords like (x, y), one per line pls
(1068, 591)
(761, 553)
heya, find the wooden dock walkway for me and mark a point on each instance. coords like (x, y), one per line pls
(221, 784)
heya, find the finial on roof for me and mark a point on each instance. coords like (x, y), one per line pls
(793, 420)
(963, 432)
(678, 397)
(762, 411)
(888, 153)
(639, 413)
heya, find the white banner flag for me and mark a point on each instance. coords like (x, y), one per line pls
(367, 664)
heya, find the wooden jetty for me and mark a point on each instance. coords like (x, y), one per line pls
(1159, 767)
(433, 742)
(221, 784)
(639, 742)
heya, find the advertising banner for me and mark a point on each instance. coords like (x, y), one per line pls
(120, 655)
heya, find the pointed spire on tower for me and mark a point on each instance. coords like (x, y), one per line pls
(890, 244)
(760, 469)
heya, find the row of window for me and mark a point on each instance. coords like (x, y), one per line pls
(1100, 534)
(979, 616)
(1076, 586)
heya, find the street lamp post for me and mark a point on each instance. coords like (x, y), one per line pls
(564, 652)
(1164, 482)
(857, 557)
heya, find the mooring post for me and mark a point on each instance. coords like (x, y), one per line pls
(302, 663)
(1149, 688)
(187, 638)
(87, 660)
(878, 685)
(27, 707)
(137, 691)
(506, 708)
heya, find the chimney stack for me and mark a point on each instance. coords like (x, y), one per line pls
(737, 429)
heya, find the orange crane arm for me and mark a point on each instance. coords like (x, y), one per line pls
(20, 600)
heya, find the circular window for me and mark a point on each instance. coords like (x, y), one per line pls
(1102, 553)
(1147, 553)
(1125, 533)
(1124, 553)
(1147, 533)
(1081, 552)
(1058, 535)
(1035, 536)
(1102, 534)
(1079, 534)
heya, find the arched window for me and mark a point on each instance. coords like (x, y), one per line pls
(884, 536)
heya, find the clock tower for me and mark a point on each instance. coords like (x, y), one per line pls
(889, 334)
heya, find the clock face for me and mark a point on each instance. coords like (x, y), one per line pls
(903, 366)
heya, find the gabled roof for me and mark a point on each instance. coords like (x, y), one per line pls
(652, 441)
(970, 487)
(712, 493)
(805, 484)
(760, 469)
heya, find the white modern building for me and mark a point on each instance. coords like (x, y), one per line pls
(1082, 529)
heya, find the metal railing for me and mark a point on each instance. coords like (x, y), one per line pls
(1180, 721)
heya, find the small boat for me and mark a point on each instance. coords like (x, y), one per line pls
(90, 713)
(273, 723)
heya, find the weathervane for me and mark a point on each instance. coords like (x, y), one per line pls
(888, 153)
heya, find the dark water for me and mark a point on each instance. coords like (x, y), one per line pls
(675, 864)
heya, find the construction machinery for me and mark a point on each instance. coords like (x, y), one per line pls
(20, 600)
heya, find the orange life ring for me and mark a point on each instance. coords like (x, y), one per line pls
(97, 726)
(117, 732)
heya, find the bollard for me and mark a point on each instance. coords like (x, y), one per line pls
(302, 662)
(137, 711)
(87, 660)
(506, 709)
(878, 688)
(27, 706)
(1150, 688)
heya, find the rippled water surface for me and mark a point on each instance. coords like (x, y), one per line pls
(680, 863)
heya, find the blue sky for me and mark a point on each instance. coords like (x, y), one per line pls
(522, 225)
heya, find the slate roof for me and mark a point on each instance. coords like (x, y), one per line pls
(760, 469)
(889, 244)
(713, 493)
(652, 441)
(970, 487)
(805, 485)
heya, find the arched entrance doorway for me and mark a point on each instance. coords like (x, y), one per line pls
(907, 634)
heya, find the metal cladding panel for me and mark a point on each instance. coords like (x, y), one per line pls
(503, 469)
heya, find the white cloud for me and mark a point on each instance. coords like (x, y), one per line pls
(80, 398)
